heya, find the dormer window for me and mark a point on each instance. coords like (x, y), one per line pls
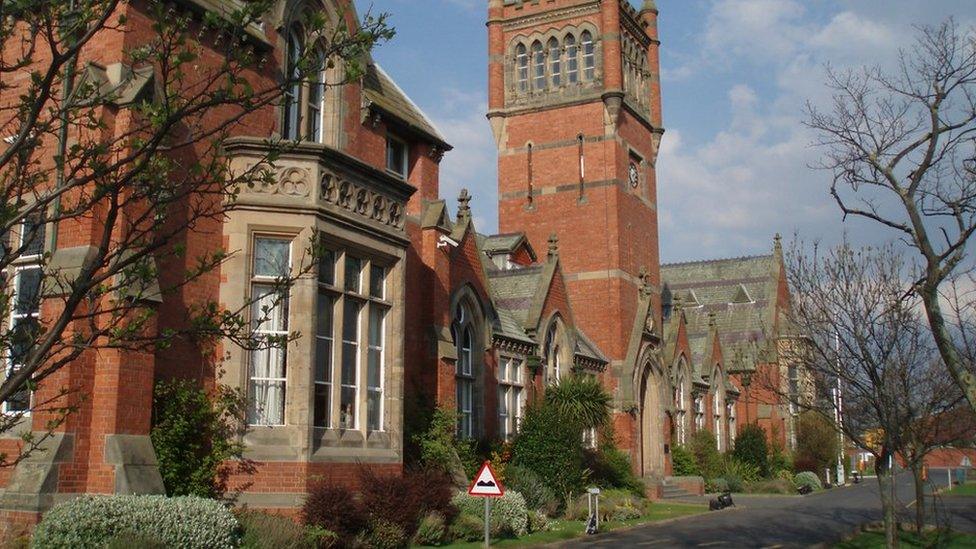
(396, 157)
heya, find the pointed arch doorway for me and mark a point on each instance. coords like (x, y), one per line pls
(652, 421)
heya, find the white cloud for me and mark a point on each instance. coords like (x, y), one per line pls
(472, 164)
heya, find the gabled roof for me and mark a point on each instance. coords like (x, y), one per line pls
(740, 292)
(514, 290)
(382, 93)
(506, 244)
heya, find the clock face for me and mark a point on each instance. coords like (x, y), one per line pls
(634, 175)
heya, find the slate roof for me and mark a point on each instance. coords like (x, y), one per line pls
(513, 291)
(719, 287)
(383, 93)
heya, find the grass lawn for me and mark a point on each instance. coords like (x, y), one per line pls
(870, 540)
(968, 489)
(567, 529)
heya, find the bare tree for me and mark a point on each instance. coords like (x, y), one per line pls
(901, 147)
(135, 157)
(861, 329)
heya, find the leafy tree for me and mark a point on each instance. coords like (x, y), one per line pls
(549, 443)
(704, 448)
(751, 448)
(816, 443)
(142, 171)
(197, 437)
(582, 398)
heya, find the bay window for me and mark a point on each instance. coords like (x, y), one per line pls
(351, 311)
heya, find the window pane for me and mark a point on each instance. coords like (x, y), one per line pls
(22, 336)
(396, 152)
(347, 405)
(268, 362)
(293, 88)
(376, 317)
(271, 257)
(323, 405)
(28, 291)
(373, 408)
(267, 400)
(354, 269)
(324, 313)
(269, 309)
(350, 321)
(377, 281)
(33, 235)
(327, 267)
(323, 360)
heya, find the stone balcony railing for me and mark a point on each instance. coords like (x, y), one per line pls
(316, 178)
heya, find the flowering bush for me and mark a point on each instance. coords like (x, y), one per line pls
(93, 521)
(509, 510)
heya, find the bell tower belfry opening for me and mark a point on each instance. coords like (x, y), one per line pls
(575, 108)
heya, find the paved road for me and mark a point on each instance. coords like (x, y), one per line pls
(783, 521)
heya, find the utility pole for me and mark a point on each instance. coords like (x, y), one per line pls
(838, 416)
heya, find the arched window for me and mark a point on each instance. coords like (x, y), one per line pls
(316, 100)
(680, 404)
(572, 59)
(551, 354)
(538, 66)
(293, 90)
(589, 55)
(462, 329)
(555, 62)
(522, 67)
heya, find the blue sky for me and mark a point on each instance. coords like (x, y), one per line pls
(734, 164)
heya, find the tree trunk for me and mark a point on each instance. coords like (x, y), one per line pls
(886, 483)
(965, 379)
(919, 497)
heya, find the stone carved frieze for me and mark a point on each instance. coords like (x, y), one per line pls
(290, 181)
(296, 182)
(361, 201)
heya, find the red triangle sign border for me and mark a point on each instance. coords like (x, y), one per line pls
(492, 490)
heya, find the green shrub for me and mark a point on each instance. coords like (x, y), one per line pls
(716, 485)
(128, 541)
(581, 398)
(817, 443)
(707, 457)
(610, 468)
(807, 478)
(386, 535)
(509, 510)
(431, 531)
(751, 448)
(779, 461)
(539, 522)
(93, 521)
(770, 486)
(620, 505)
(197, 436)
(468, 527)
(262, 530)
(537, 495)
(550, 444)
(683, 462)
(736, 473)
(436, 442)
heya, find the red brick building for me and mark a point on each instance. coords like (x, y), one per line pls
(411, 303)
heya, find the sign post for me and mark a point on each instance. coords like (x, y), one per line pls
(486, 485)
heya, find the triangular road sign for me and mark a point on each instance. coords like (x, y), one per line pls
(485, 483)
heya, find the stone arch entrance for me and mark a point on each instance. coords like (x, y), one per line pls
(652, 423)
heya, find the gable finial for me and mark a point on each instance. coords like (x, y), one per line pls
(464, 204)
(711, 320)
(553, 246)
(778, 243)
(676, 302)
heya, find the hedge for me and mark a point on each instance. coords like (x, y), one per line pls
(187, 522)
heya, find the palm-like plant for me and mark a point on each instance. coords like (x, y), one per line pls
(581, 398)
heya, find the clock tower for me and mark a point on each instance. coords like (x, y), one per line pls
(575, 108)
